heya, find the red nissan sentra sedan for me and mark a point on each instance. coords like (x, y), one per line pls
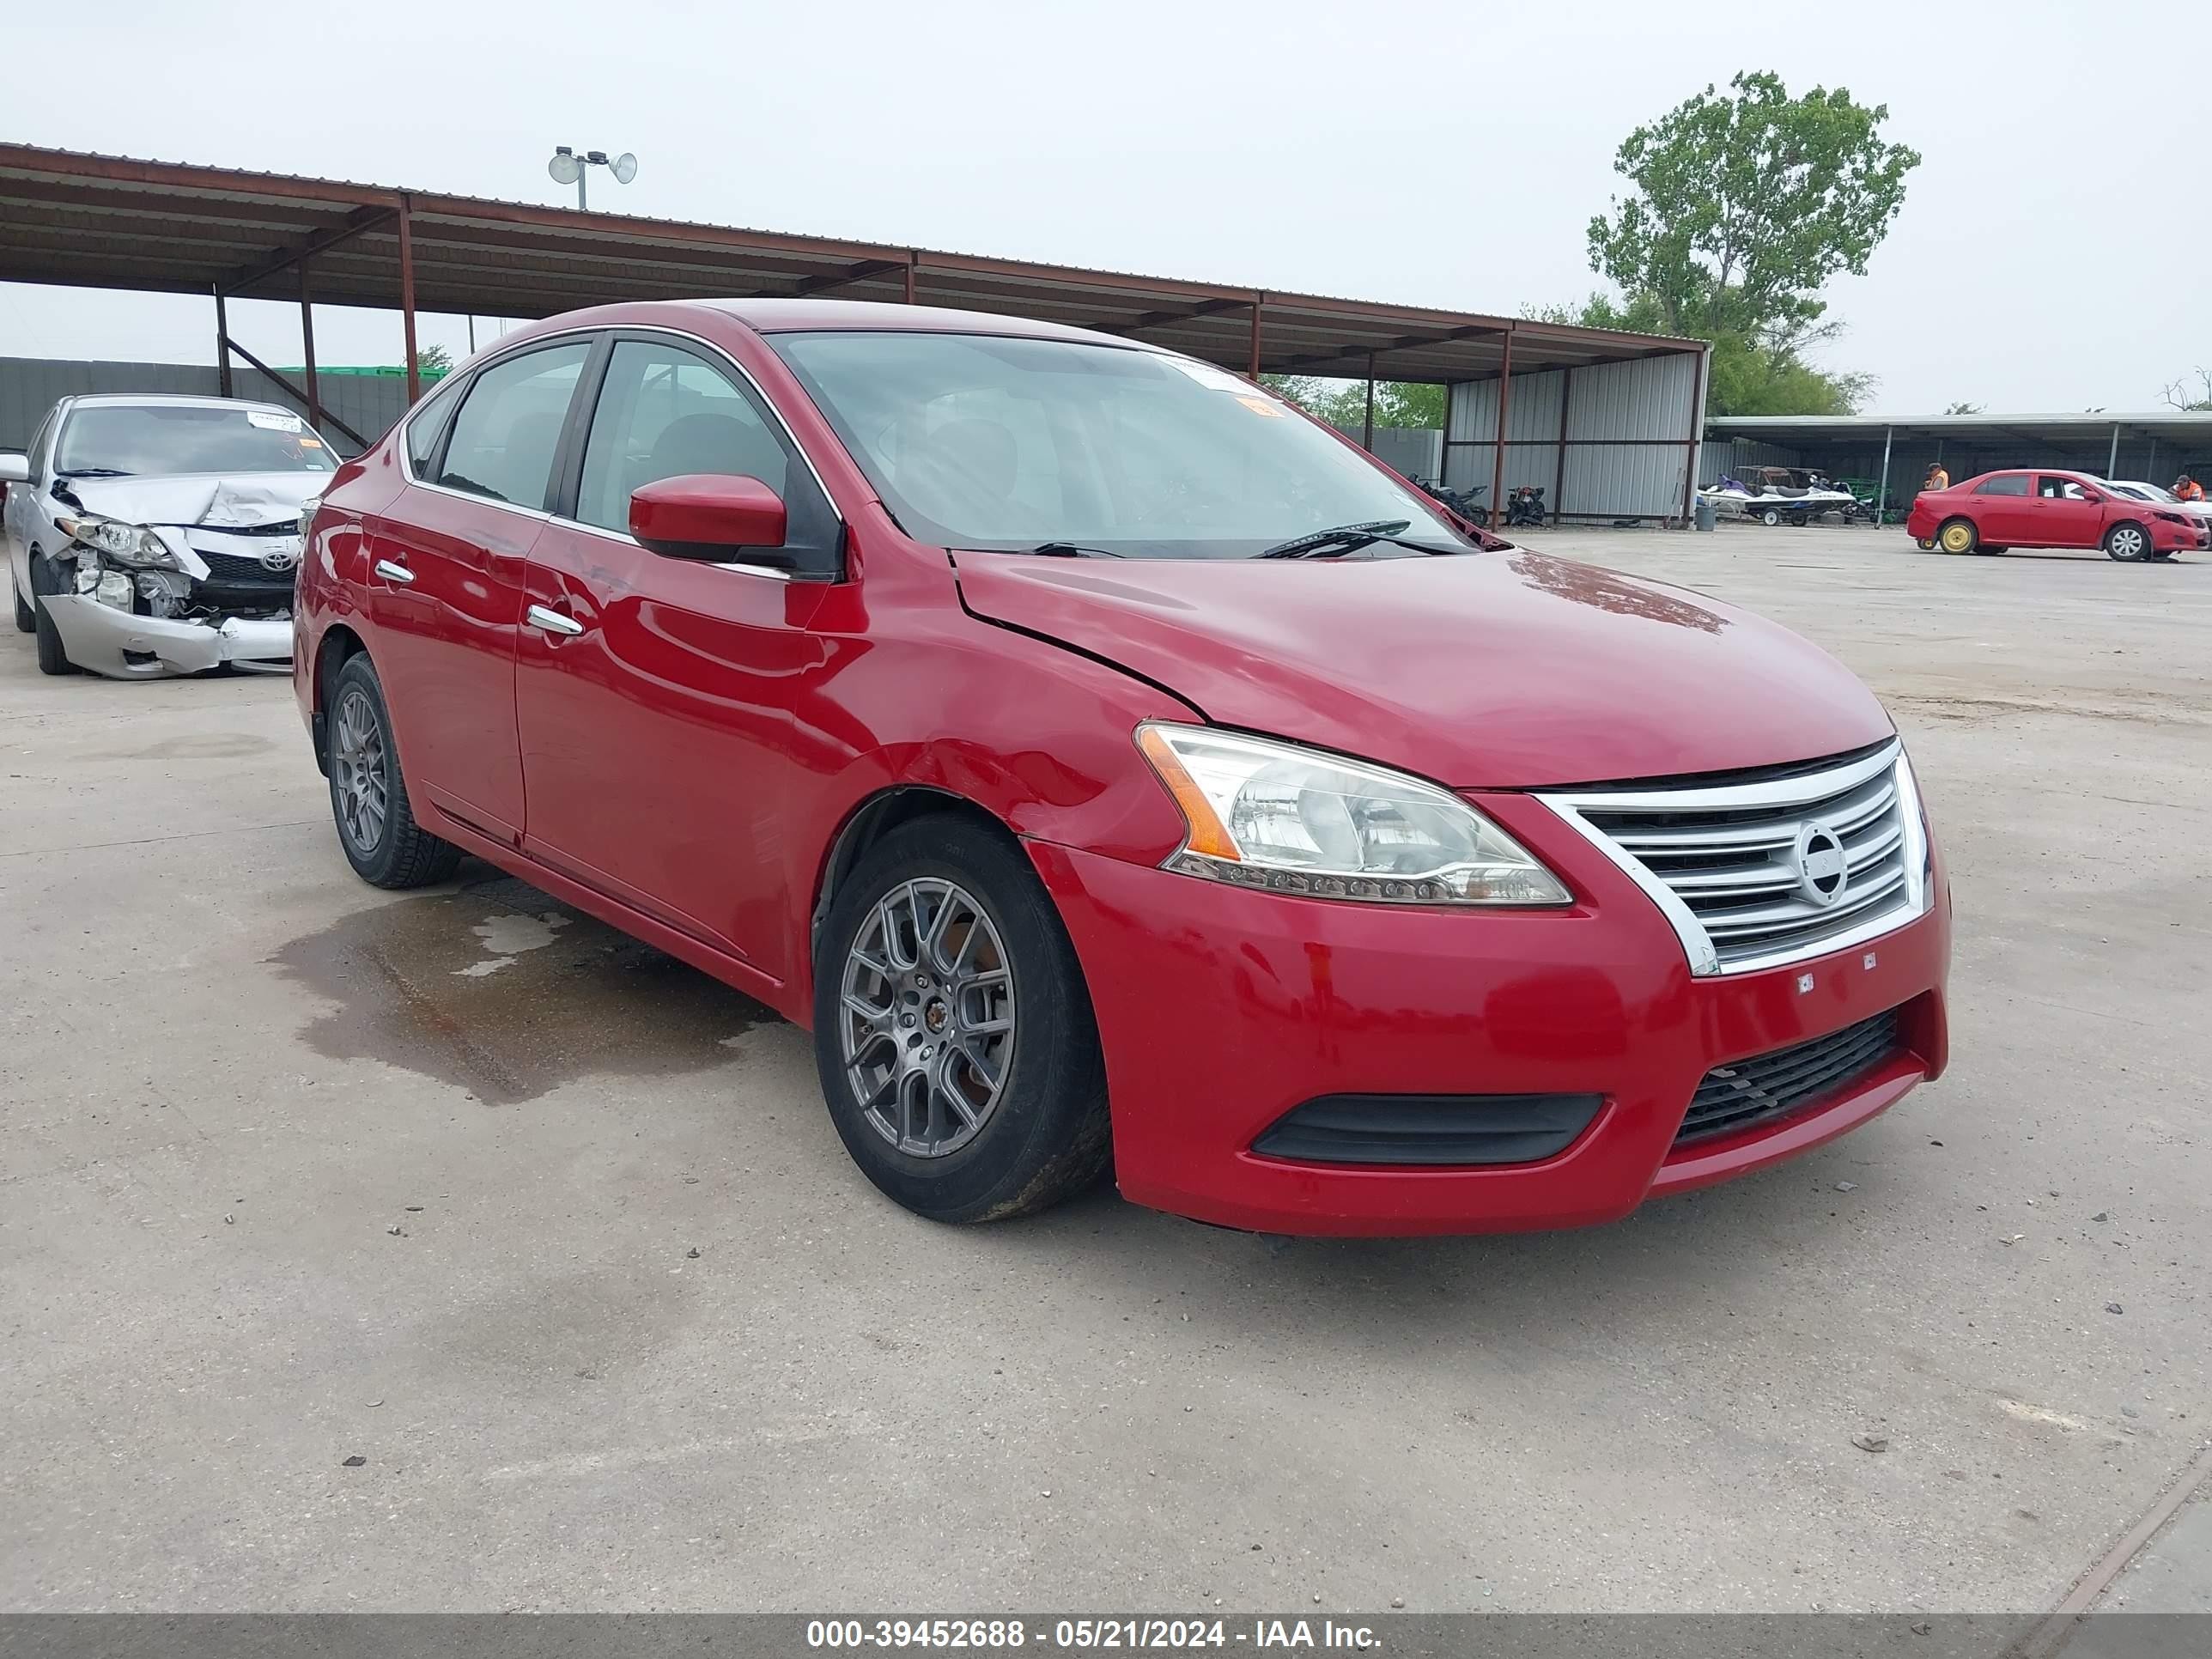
(1117, 769)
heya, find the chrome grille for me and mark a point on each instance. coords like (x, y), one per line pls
(1723, 859)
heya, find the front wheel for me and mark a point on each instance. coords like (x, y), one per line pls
(53, 656)
(953, 1031)
(369, 798)
(27, 617)
(1770, 517)
(2128, 543)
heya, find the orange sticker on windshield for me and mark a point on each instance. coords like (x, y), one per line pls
(1262, 406)
(311, 443)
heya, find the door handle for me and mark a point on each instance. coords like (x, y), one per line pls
(394, 573)
(552, 621)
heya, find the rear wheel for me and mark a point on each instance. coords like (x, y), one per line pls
(2128, 543)
(953, 1031)
(1957, 535)
(369, 798)
(45, 579)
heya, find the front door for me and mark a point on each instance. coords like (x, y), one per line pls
(447, 571)
(655, 696)
(2068, 514)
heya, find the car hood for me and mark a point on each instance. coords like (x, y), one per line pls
(224, 501)
(1504, 670)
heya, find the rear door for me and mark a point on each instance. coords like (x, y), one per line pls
(2068, 514)
(655, 696)
(446, 566)
(2003, 510)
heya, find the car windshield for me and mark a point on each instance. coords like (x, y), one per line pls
(111, 440)
(2150, 491)
(1009, 444)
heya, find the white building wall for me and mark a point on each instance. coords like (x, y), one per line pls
(1627, 427)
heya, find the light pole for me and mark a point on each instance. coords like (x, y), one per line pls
(569, 167)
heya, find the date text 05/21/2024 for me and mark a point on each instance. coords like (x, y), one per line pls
(988, 1635)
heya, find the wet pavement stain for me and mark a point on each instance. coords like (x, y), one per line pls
(504, 991)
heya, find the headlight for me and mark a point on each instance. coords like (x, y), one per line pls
(308, 515)
(126, 543)
(1292, 820)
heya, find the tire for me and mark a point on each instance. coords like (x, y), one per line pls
(1958, 536)
(1925, 543)
(376, 825)
(1770, 517)
(920, 1114)
(2129, 542)
(53, 658)
(26, 614)
(1983, 547)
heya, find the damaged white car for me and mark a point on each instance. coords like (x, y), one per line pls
(149, 536)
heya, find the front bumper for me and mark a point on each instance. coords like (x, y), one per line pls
(1221, 1009)
(102, 640)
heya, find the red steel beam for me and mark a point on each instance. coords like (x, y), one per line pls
(1255, 369)
(283, 258)
(1367, 437)
(222, 346)
(407, 296)
(308, 348)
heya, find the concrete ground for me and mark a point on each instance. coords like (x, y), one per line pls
(449, 1252)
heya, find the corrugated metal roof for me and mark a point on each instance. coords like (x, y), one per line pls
(87, 219)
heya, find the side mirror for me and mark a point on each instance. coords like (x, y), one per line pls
(710, 516)
(13, 469)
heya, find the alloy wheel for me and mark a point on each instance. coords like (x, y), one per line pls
(926, 1018)
(360, 773)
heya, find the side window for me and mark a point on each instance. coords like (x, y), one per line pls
(2009, 484)
(2062, 489)
(664, 411)
(428, 424)
(509, 425)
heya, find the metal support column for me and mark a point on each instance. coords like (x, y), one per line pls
(1559, 472)
(308, 347)
(1881, 489)
(407, 299)
(910, 263)
(1254, 372)
(1497, 447)
(222, 346)
(1689, 444)
(1367, 433)
(2113, 463)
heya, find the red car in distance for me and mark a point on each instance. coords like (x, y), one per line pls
(2042, 507)
(1119, 771)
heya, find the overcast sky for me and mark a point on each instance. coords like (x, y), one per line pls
(2055, 251)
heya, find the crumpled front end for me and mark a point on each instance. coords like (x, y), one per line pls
(102, 638)
(156, 598)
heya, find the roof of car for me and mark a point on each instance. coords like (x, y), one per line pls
(846, 316)
(169, 399)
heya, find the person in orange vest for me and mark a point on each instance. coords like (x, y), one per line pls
(2186, 488)
(1937, 478)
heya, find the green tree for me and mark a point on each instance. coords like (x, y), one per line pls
(2183, 396)
(1343, 404)
(1745, 206)
(433, 360)
(1962, 408)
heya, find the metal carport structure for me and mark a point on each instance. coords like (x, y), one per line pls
(1898, 449)
(91, 220)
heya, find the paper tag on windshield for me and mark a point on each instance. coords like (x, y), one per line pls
(1213, 378)
(268, 421)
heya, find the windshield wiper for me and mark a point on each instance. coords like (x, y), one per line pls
(1350, 538)
(1070, 550)
(92, 472)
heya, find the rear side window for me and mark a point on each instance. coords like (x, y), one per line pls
(428, 425)
(509, 426)
(2012, 484)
